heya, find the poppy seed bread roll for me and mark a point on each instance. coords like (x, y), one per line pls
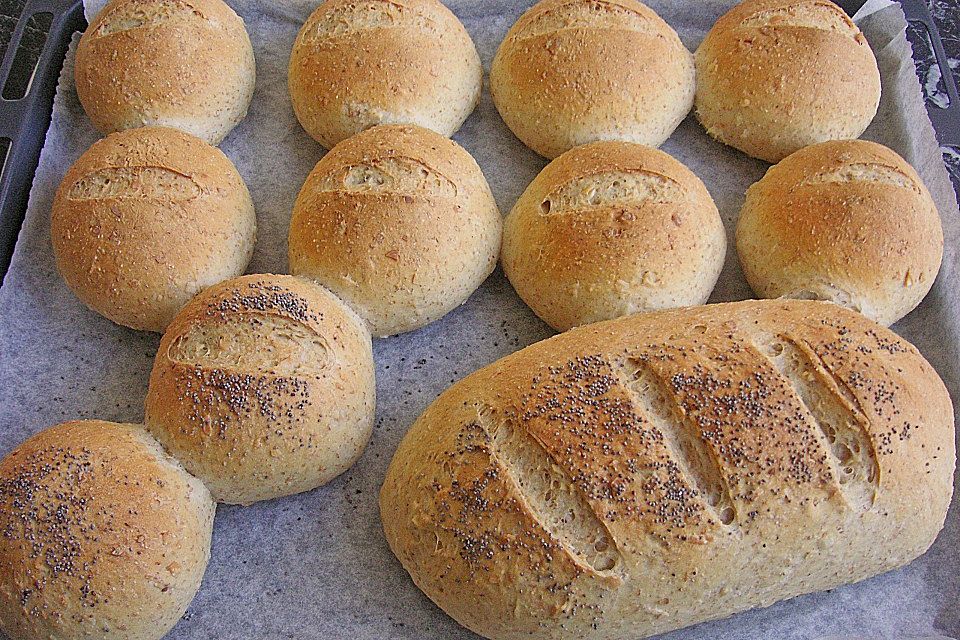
(848, 221)
(263, 386)
(185, 64)
(774, 76)
(635, 476)
(145, 219)
(360, 63)
(571, 72)
(399, 222)
(102, 535)
(609, 229)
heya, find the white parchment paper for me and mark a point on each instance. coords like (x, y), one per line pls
(317, 565)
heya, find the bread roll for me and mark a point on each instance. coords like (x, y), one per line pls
(145, 219)
(102, 535)
(639, 475)
(846, 221)
(774, 76)
(576, 71)
(400, 223)
(609, 229)
(263, 387)
(359, 63)
(186, 64)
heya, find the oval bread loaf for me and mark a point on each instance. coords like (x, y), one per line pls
(639, 475)
(400, 223)
(774, 76)
(359, 63)
(848, 221)
(185, 64)
(609, 229)
(102, 535)
(145, 219)
(263, 386)
(571, 72)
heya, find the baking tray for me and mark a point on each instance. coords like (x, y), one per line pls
(343, 581)
(28, 81)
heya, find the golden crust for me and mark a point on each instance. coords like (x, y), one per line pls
(609, 229)
(263, 386)
(571, 72)
(145, 219)
(101, 535)
(639, 475)
(186, 64)
(774, 76)
(399, 222)
(360, 63)
(847, 221)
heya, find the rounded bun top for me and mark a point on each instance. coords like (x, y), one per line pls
(101, 535)
(571, 72)
(186, 64)
(145, 219)
(774, 76)
(609, 229)
(848, 221)
(400, 223)
(359, 63)
(263, 386)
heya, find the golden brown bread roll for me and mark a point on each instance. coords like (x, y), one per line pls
(399, 222)
(186, 64)
(847, 221)
(263, 386)
(609, 229)
(774, 76)
(145, 219)
(102, 535)
(571, 72)
(639, 475)
(359, 63)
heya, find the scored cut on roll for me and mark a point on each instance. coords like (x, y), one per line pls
(847, 221)
(774, 76)
(631, 477)
(400, 223)
(102, 535)
(571, 72)
(609, 229)
(360, 63)
(185, 64)
(263, 386)
(145, 219)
